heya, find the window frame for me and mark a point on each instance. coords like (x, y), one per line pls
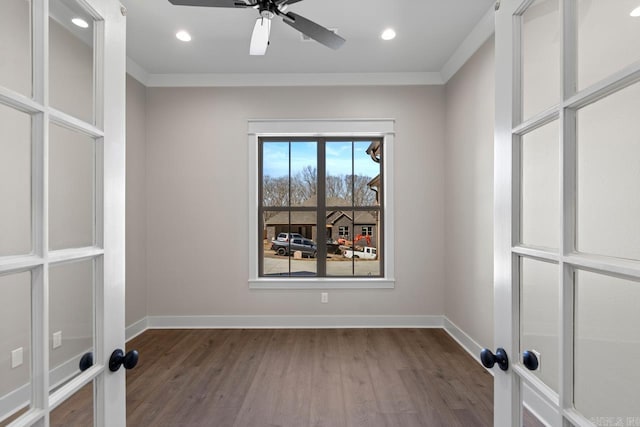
(351, 128)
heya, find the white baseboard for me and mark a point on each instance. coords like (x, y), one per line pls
(292, 322)
(465, 341)
(136, 328)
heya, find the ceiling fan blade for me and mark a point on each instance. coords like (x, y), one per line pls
(286, 2)
(210, 3)
(260, 37)
(313, 30)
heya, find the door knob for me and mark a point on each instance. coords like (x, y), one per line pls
(118, 358)
(530, 360)
(489, 359)
(86, 361)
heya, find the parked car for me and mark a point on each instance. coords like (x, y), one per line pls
(306, 246)
(365, 252)
(284, 237)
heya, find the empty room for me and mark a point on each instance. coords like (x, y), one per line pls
(319, 213)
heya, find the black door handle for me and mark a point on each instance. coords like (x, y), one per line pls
(86, 361)
(118, 358)
(530, 360)
(489, 359)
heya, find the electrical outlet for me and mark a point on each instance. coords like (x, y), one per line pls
(17, 357)
(324, 297)
(57, 339)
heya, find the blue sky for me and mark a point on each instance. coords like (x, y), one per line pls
(276, 158)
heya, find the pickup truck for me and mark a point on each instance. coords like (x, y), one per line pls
(367, 252)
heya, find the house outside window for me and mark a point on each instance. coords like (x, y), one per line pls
(314, 192)
(308, 187)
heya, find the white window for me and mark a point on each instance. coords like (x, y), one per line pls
(312, 177)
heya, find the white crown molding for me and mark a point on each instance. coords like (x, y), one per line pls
(137, 72)
(294, 79)
(476, 38)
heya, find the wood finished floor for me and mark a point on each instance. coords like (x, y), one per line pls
(299, 378)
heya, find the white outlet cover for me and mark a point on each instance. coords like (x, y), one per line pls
(17, 357)
(57, 339)
(324, 297)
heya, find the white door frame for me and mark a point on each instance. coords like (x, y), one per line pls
(109, 245)
(555, 409)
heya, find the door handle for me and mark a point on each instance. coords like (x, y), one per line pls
(86, 361)
(118, 358)
(530, 360)
(489, 359)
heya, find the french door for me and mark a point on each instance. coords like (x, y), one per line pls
(62, 98)
(567, 212)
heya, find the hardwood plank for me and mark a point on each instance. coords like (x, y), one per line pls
(319, 378)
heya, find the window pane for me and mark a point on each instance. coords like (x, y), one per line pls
(15, 338)
(341, 224)
(601, 51)
(71, 188)
(71, 60)
(539, 324)
(539, 200)
(275, 174)
(541, 37)
(606, 328)
(339, 168)
(15, 45)
(75, 411)
(15, 182)
(304, 174)
(366, 172)
(608, 163)
(71, 302)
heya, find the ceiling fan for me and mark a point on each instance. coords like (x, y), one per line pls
(269, 9)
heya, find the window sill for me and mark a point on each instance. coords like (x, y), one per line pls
(322, 283)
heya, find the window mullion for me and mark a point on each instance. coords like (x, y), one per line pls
(321, 217)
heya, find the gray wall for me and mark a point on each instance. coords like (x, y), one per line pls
(469, 196)
(197, 198)
(136, 220)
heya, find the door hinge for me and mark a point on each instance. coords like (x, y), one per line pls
(497, 6)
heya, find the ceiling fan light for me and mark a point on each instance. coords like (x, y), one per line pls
(635, 12)
(260, 37)
(388, 34)
(183, 36)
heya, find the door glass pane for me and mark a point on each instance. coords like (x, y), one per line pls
(541, 38)
(608, 165)
(339, 168)
(77, 411)
(539, 325)
(71, 189)
(71, 302)
(607, 345)
(15, 345)
(529, 400)
(275, 174)
(71, 75)
(304, 176)
(608, 38)
(15, 46)
(15, 181)
(539, 201)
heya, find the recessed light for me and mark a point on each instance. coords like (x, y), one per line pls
(183, 36)
(388, 34)
(80, 22)
(635, 12)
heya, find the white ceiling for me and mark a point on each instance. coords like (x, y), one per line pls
(429, 32)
